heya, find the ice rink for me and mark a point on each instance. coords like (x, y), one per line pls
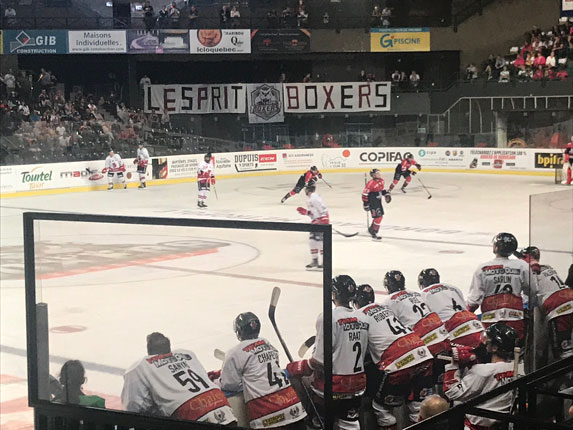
(108, 286)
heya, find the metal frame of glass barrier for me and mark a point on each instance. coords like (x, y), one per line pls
(125, 418)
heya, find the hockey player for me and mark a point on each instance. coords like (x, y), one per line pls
(309, 178)
(403, 361)
(142, 160)
(114, 166)
(555, 301)
(253, 367)
(349, 343)
(372, 201)
(205, 178)
(498, 284)
(448, 302)
(461, 386)
(318, 213)
(568, 163)
(173, 384)
(403, 170)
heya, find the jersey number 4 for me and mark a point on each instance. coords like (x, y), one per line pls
(274, 378)
(193, 379)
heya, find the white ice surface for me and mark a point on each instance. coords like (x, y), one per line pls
(193, 299)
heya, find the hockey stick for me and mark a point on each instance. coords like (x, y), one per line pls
(215, 189)
(329, 186)
(272, 308)
(219, 354)
(306, 346)
(422, 184)
(367, 215)
(345, 234)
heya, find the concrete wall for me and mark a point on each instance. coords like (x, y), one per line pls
(501, 26)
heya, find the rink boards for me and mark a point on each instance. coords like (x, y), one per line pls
(51, 178)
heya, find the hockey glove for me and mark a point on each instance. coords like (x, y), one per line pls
(135, 161)
(299, 368)
(302, 210)
(212, 180)
(388, 198)
(418, 167)
(366, 206)
(464, 355)
(104, 170)
(413, 172)
(451, 377)
(214, 375)
(320, 175)
(122, 168)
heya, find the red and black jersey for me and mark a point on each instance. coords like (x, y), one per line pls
(311, 176)
(406, 164)
(373, 186)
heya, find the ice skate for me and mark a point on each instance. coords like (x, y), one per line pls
(110, 187)
(199, 204)
(125, 186)
(314, 266)
(283, 200)
(403, 189)
(374, 234)
(142, 186)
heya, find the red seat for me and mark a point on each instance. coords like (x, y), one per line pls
(288, 146)
(481, 144)
(267, 147)
(433, 144)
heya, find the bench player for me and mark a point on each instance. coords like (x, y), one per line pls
(403, 170)
(309, 178)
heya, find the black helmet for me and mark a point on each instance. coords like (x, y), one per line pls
(373, 172)
(247, 326)
(502, 336)
(311, 188)
(428, 277)
(530, 251)
(408, 155)
(364, 295)
(314, 168)
(505, 244)
(207, 157)
(394, 281)
(344, 288)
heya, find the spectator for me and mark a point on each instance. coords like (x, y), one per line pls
(326, 18)
(163, 17)
(499, 63)
(550, 61)
(539, 60)
(10, 16)
(302, 17)
(148, 16)
(283, 78)
(193, 16)
(45, 79)
(235, 17)
(504, 75)
(144, 81)
(307, 78)
(376, 17)
(561, 74)
(174, 15)
(362, 76)
(433, 405)
(396, 77)
(224, 17)
(272, 18)
(72, 377)
(471, 72)
(539, 73)
(414, 79)
(10, 81)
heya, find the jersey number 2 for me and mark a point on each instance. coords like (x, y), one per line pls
(357, 347)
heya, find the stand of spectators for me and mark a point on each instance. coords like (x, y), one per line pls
(381, 16)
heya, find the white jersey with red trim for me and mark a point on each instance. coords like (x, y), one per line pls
(142, 157)
(160, 384)
(253, 366)
(554, 297)
(497, 286)
(480, 379)
(114, 164)
(414, 313)
(349, 344)
(204, 171)
(449, 303)
(392, 345)
(317, 210)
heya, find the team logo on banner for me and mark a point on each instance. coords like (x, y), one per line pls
(265, 103)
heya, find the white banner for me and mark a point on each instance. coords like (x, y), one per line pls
(220, 41)
(265, 103)
(337, 97)
(97, 41)
(195, 99)
(567, 5)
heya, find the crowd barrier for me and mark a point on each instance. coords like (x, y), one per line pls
(37, 179)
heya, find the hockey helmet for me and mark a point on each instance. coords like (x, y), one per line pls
(408, 155)
(207, 157)
(428, 277)
(364, 295)
(310, 188)
(394, 281)
(530, 251)
(504, 244)
(247, 326)
(344, 288)
(503, 337)
(157, 343)
(313, 169)
(373, 172)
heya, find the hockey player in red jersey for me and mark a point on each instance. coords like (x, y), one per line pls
(463, 384)
(205, 178)
(403, 362)
(448, 302)
(555, 300)
(403, 170)
(318, 213)
(253, 367)
(498, 284)
(372, 201)
(568, 163)
(349, 344)
(309, 178)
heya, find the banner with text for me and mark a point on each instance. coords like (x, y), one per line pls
(97, 42)
(35, 41)
(195, 99)
(399, 39)
(265, 103)
(220, 41)
(337, 97)
(158, 41)
(280, 40)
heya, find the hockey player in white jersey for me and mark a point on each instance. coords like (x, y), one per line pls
(349, 343)
(253, 367)
(497, 286)
(205, 178)
(318, 213)
(403, 362)
(142, 161)
(114, 166)
(449, 303)
(173, 384)
(462, 385)
(555, 301)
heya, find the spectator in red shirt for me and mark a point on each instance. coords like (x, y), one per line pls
(539, 73)
(539, 60)
(561, 74)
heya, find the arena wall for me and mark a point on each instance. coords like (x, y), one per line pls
(54, 178)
